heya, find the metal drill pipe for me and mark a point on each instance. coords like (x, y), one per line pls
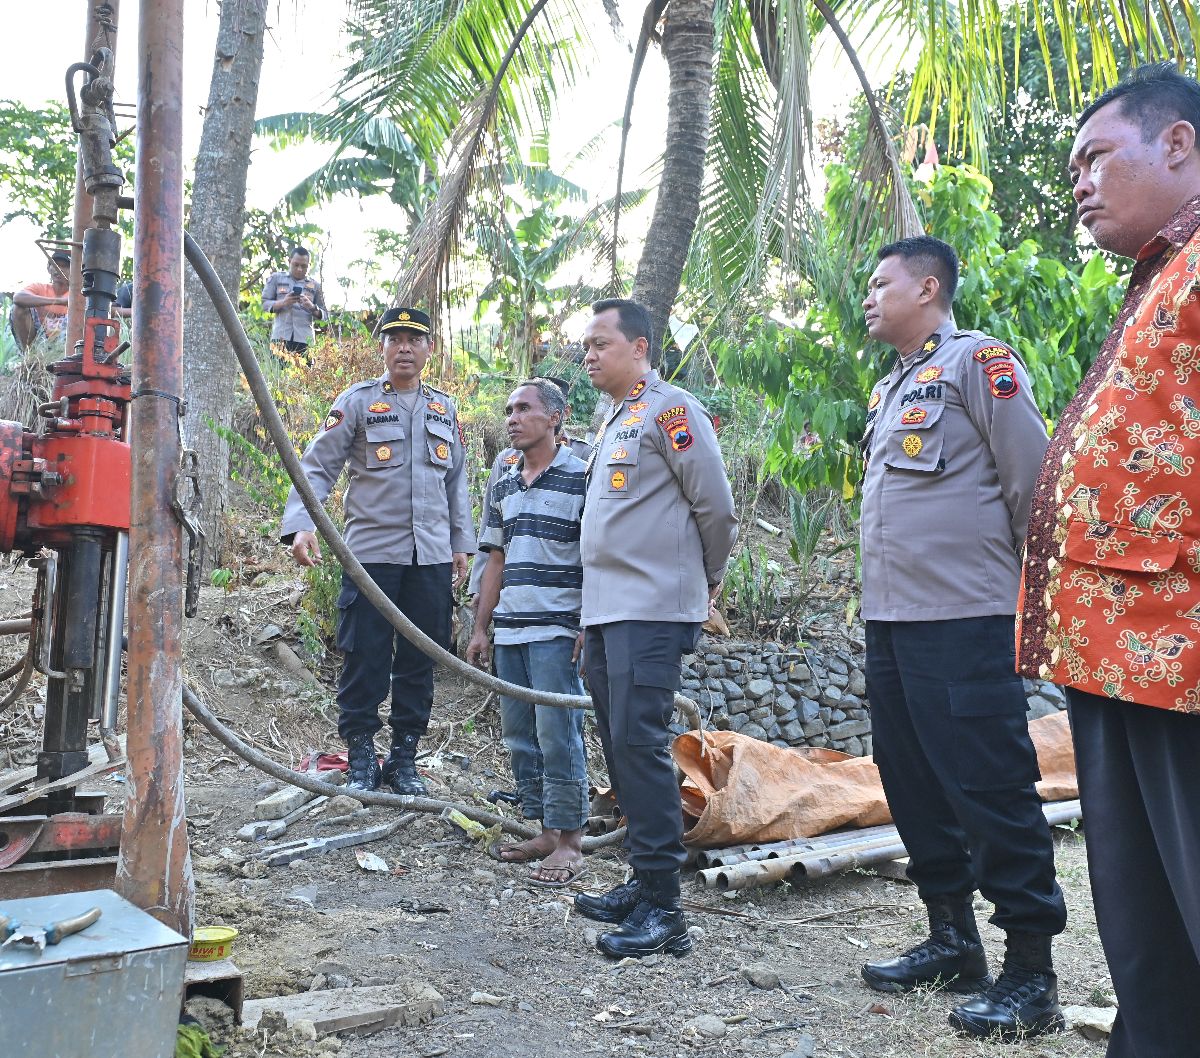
(154, 870)
(771, 850)
(116, 631)
(82, 216)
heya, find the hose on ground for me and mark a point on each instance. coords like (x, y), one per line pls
(413, 804)
(352, 567)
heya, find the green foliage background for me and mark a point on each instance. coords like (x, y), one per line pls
(821, 366)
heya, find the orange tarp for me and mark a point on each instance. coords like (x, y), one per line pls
(739, 789)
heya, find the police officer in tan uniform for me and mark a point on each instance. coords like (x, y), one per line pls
(952, 447)
(408, 521)
(658, 527)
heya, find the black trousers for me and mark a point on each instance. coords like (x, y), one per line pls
(375, 656)
(633, 672)
(958, 767)
(1139, 781)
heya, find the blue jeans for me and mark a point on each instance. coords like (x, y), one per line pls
(545, 743)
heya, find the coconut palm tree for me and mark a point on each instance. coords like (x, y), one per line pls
(465, 78)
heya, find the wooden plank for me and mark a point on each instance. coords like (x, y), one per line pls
(9, 780)
(357, 1010)
(92, 771)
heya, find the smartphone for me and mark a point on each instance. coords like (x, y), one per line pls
(297, 289)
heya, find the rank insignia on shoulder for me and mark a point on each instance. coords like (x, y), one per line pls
(931, 345)
(912, 445)
(332, 419)
(380, 407)
(442, 451)
(633, 420)
(513, 459)
(1003, 385)
(641, 405)
(873, 403)
(619, 453)
(383, 452)
(617, 480)
(991, 352)
(930, 374)
(437, 407)
(387, 387)
(639, 388)
(913, 416)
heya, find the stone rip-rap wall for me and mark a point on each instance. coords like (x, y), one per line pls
(792, 697)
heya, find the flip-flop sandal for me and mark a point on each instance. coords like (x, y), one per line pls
(497, 847)
(573, 872)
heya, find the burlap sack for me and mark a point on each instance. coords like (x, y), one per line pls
(738, 789)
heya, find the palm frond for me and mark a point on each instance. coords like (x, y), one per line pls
(435, 238)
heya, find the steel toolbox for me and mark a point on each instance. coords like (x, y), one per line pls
(111, 990)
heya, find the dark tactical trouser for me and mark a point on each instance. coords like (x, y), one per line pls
(952, 744)
(376, 656)
(633, 672)
(1140, 786)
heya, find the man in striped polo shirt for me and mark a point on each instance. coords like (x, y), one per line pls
(531, 590)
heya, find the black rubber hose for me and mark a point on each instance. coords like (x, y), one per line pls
(353, 568)
(419, 804)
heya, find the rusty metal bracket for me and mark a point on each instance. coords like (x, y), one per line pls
(188, 515)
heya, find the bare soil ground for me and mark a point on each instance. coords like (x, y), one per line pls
(447, 915)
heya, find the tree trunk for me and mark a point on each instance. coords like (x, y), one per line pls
(689, 48)
(217, 222)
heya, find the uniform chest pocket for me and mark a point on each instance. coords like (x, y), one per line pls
(618, 463)
(385, 446)
(914, 439)
(439, 441)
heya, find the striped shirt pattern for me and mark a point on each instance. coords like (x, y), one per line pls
(537, 528)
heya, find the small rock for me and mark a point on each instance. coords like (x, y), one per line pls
(329, 1045)
(485, 999)
(526, 1007)
(341, 805)
(305, 1029)
(339, 981)
(708, 1025)
(267, 786)
(318, 982)
(805, 1047)
(1093, 1023)
(757, 688)
(761, 976)
(696, 933)
(590, 936)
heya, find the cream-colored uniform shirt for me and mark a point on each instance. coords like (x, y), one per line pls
(659, 523)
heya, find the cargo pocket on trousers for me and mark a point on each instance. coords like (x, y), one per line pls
(345, 608)
(652, 703)
(992, 747)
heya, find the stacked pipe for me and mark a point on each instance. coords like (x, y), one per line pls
(801, 859)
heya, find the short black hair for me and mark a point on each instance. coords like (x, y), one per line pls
(298, 251)
(553, 398)
(932, 256)
(561, 383)
(1152, 97)
(634, 318)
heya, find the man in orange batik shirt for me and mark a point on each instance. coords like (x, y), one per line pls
(1110, 601)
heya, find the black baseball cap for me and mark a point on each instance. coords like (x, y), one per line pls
(61, 256)
(404, 319)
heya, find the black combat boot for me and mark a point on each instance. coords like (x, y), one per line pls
(363, 773)
(400, 768)
(950, 957)
(1023, 1001)
(655, 924)
(613, 906)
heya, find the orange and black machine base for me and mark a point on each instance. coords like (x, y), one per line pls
(65, 504)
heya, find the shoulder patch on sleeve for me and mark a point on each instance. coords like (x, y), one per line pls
(333, 419)
(991, 352)
(1003, 384)
(674, 423)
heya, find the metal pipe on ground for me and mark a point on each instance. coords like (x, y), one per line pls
(154, 869)
(353, 568)
(833, 853)
(413, 804)
(15, 628)
(790, 846)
